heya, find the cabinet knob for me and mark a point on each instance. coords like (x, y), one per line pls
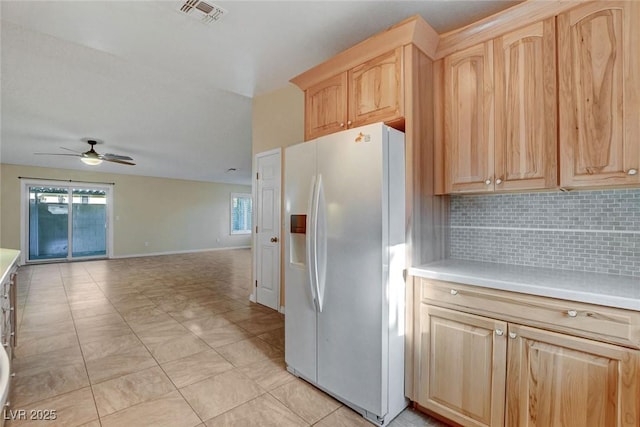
(341, 125)
(274, 240)
(499, 332)
(512, 335)
(454, 292)
(488, 182)
(348, 122)
(498, 181)
(572, 313)
(632, 171)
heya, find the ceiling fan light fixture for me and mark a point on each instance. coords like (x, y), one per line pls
(91, 161)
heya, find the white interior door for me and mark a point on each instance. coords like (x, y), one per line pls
(267, 247)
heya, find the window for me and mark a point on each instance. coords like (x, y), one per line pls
(240, 213)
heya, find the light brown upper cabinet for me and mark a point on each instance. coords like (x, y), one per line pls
(526, 108)
(326, 107)
(500, 113)
(368, 93)
(599, 74)
(376, 89)
(469, 131)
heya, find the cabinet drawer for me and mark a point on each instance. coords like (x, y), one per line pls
(586, 320)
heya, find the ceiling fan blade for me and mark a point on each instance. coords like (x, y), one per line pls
(69, 149)
(123, 162)
(115, 157)
(58, 154)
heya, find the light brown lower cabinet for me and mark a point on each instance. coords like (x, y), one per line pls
(462, 366)
(479, 371)
(559, 380)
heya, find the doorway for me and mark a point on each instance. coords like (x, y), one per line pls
(65, 222)
(267, 228)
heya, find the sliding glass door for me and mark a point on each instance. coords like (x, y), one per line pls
(66, 222)
(88, 223)
(48, 223)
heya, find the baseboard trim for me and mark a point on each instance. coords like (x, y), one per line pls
(189, 251)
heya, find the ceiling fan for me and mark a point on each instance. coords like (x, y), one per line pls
(93, 158)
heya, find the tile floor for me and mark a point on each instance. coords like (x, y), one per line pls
(159, 341)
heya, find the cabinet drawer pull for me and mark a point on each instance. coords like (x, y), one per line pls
(499, 332)
(512, 335)
(632, 171)
(454, 292)
(572, 313)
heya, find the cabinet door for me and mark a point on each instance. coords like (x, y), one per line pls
(326, 107)
(462, 366)
(469, 119)
(526, 106)
(559, 380)
(599, 74)
(376, 90)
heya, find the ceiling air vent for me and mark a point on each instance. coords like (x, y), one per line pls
(205, 12)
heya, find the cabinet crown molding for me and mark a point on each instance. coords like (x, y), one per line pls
(413, 30)
(513, 18)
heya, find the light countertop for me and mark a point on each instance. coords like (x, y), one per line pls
(7, 258)
(595, 288)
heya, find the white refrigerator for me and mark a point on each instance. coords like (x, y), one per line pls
(344, 263)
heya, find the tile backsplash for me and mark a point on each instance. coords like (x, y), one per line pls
(597, 231)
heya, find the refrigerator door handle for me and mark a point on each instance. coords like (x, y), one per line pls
(310, 243)
(316, 209)
(320, 236)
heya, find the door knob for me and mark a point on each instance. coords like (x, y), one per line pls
(274, 240)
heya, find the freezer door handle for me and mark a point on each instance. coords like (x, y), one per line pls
(310, 243)
(318, 238)
(314, 249)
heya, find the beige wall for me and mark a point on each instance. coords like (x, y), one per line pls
(278, 122)
(278, 119)
(171, 215)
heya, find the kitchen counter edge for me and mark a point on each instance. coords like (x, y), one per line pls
(8, 257)
(594, 288)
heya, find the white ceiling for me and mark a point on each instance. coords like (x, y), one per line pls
(164, 88)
